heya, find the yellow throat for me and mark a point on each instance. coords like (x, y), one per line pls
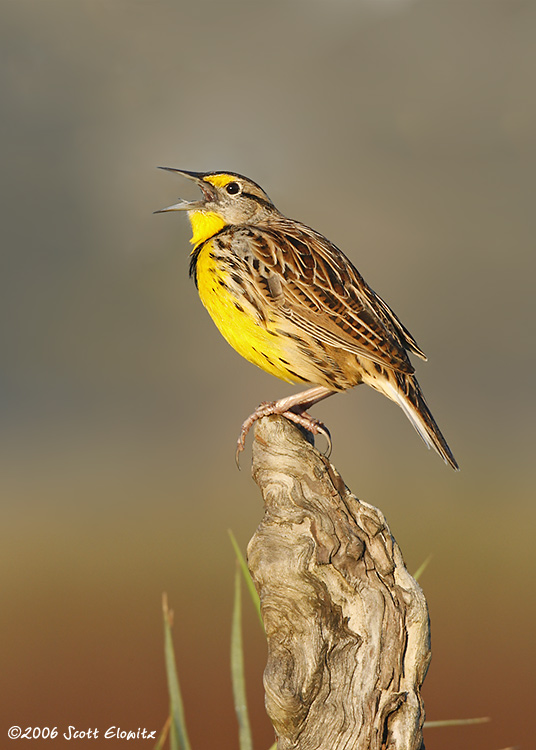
(204, 225)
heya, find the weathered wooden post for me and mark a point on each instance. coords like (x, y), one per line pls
(347, 625)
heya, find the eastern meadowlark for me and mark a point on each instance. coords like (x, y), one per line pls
(291, 302)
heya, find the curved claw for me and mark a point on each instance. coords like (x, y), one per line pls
(312, 425)
(294, 414)
(264, 409)
(239, 449)
(323, 430)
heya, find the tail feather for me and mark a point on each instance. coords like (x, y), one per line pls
(408, 395)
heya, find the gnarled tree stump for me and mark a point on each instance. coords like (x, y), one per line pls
(347, 625)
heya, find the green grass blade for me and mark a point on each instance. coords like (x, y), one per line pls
(456, 722)
(237, 671)
(247, 577)
(178, 736)
(162, 737)
(422, 568)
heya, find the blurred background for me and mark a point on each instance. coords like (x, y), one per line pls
(403, 130)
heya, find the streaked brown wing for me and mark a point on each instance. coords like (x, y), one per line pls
(316, 287)
(405, 336)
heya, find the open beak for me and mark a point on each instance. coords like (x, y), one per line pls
(206, 189)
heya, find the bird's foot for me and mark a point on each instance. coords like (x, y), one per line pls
(294, 414)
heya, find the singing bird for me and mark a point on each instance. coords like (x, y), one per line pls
(290, 302)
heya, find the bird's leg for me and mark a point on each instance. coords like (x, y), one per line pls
(293, 408)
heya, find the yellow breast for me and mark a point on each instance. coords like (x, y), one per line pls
(236, 320)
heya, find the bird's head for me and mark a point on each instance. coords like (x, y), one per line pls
(228, 199)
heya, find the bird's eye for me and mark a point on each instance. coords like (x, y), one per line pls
(233, 188)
